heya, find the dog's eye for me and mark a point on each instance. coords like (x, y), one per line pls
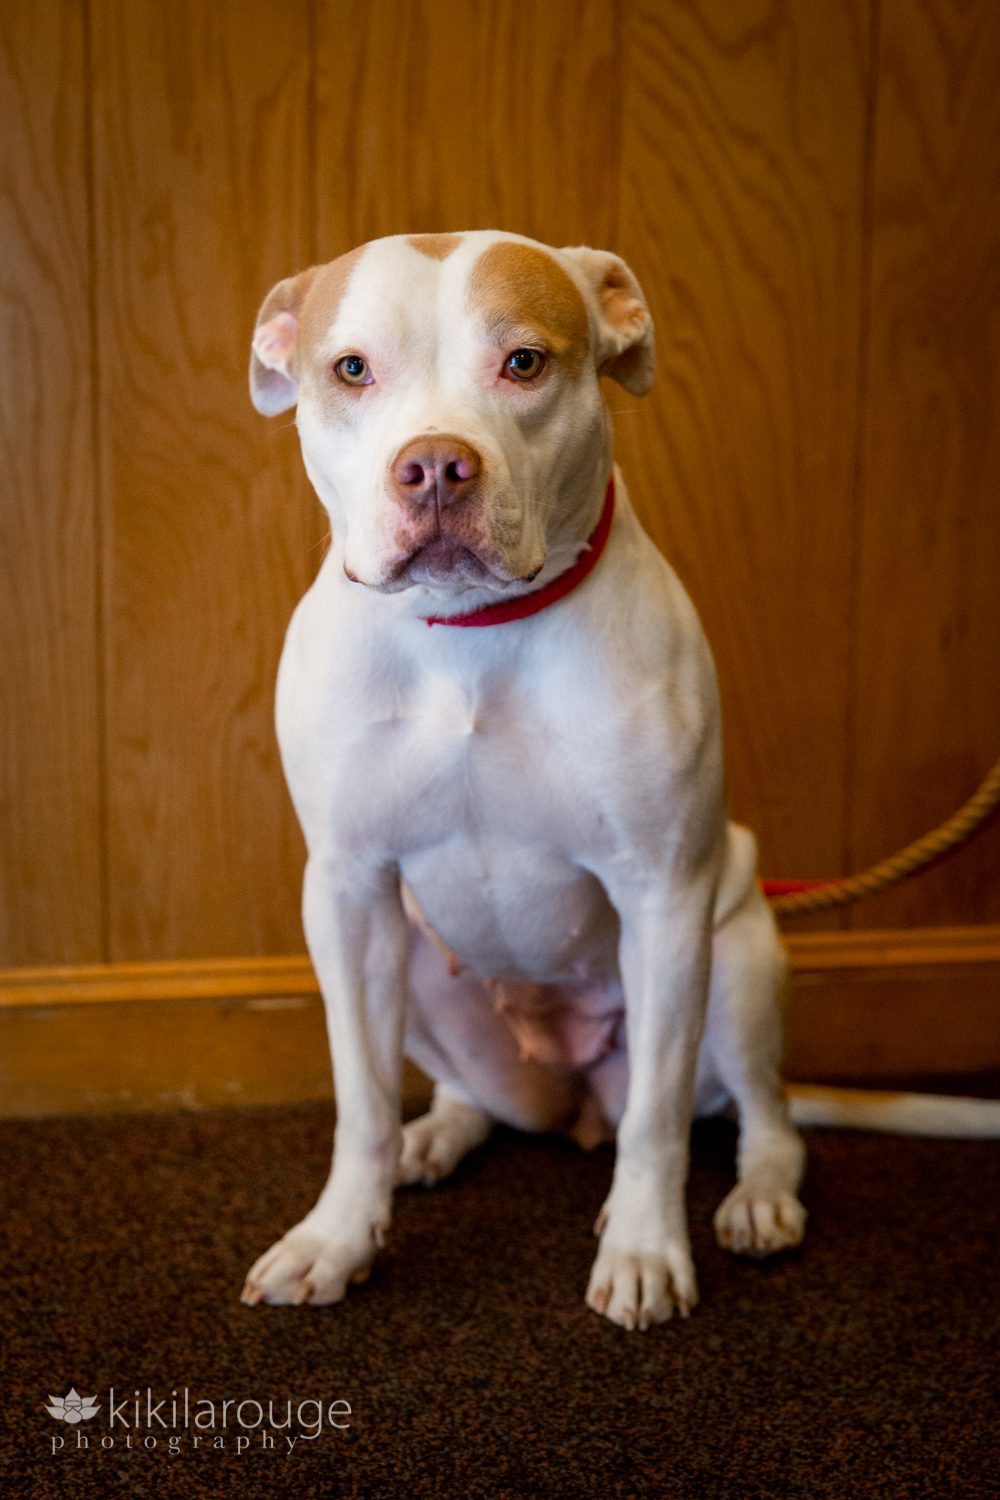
(524, 364)
(353, 370)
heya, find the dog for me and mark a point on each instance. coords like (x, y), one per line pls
(499, 723)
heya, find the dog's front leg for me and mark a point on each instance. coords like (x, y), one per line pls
(358, 940)
(643, 1270)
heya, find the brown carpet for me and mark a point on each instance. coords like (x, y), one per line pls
(861, 1367)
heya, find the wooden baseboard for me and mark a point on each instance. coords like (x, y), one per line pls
(877, 1006)
(889, 1006)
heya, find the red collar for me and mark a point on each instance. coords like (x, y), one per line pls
(530, 604)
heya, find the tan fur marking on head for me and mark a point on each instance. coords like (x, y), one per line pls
(515, 286)
(435, 246)
(319, 313)
(322, 303)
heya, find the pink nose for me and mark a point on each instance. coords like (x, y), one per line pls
(435, 468)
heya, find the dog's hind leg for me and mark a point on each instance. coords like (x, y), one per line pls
(435, 1143)
(455, 1036)
(743, 1039)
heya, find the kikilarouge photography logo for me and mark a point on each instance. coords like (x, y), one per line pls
(72, 1408)
(182, 1422)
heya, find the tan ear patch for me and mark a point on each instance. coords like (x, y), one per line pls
(518, 289)
(294, 315)
(435, 246)
(619, 303)
(626, 345)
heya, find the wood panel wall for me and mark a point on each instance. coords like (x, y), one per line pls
(809, 192)
(52, 849)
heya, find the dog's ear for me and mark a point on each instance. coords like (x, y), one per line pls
(625, 329)
(274, 378)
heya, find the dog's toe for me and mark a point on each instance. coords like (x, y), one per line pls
(759, 1222)
(638, 1290)
(434, 1144)
(303, 1268)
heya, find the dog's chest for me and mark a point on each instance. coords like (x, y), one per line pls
(446, 761)
(476, 791)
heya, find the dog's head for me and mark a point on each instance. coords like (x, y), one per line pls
(449, 401)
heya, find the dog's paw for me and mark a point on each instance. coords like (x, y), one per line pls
(434, 1144)
(637, 1289)
(307, 1267)
(759, 1221)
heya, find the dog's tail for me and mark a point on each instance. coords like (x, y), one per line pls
(893, 1114)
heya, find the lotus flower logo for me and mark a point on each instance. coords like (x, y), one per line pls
(72, 1408)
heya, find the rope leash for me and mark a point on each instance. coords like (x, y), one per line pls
(794, 897)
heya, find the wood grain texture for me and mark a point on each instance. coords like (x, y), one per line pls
(162, 1054)
(742, 182)
(161, 979)
(928, 627)
(50, 845)
(202, 201)
(809, 193)
(452, 114)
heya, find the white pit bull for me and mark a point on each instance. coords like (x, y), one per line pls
(520, 869)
